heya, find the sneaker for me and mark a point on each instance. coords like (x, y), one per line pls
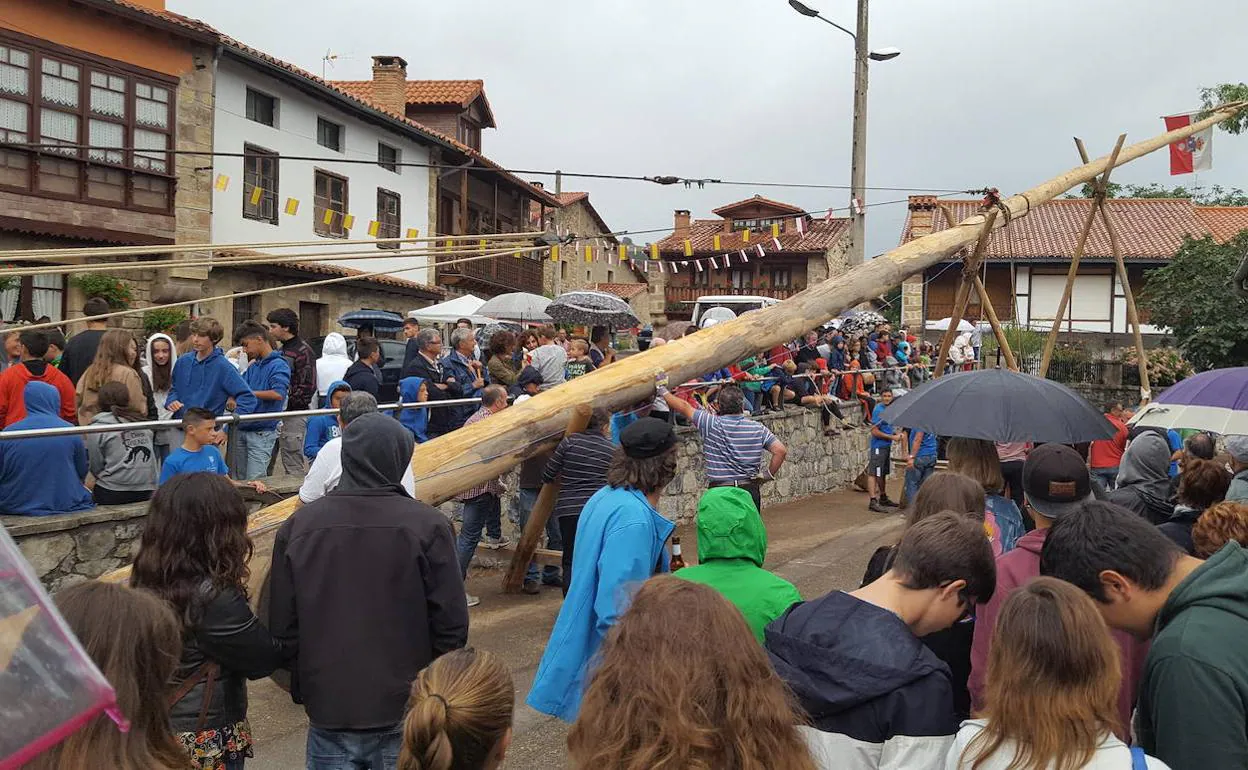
(473, 601)
(553, 582)
(532, 587)
(884, 501)
(495, 543)
(874, 505)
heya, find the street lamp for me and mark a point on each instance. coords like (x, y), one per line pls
(858, 161)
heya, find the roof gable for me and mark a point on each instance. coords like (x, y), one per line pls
(757, 207)
(820, 235)
(460, 94)
(167, 20)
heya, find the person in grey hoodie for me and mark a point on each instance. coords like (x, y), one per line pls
(1144, 478)
(123, 462)
(1237, 447)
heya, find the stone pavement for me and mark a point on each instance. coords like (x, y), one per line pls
(820, 544)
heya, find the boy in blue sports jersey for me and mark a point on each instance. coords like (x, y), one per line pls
(198, 453)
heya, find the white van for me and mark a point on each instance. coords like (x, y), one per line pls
(738, 304)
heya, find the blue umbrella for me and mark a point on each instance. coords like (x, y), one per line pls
(377, 320)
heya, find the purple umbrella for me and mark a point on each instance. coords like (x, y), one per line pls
(1214, 401)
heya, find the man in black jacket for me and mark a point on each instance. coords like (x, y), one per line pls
(366, 585)
(284, 326)
(361, 375)
(442, 385)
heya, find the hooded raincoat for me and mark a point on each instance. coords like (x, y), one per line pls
(1192, 707)
(732, 544)
(332, 366)
(415, 420)
(598, 595)
(209, 383)
(323, 427)
(876, 697)
(1144, 478)
(166, 437)
(42, 476)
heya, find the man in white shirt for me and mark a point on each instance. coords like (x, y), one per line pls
(326, 469)
(549, 359)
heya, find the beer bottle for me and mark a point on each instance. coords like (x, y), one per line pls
(678, 561)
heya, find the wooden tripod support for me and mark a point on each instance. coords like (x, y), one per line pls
(970, 280)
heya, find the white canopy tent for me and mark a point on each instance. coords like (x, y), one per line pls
(451, 311)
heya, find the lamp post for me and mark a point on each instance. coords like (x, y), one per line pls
(858, 161)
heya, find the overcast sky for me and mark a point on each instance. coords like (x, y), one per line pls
(983, 93)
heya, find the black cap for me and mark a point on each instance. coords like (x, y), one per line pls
(1056, 480)
(647, 437)
(529, 375)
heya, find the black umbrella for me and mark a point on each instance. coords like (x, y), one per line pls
(1000, 405)
(592, 308)
(377, 320)
(861, 322)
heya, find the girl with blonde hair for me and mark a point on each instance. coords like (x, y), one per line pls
(115, 361)
(459, 714)
(1051, 698)
(682, 684)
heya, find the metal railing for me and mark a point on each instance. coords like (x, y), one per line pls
(233, 419)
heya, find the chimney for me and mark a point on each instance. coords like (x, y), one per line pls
(682, 223)
(922, 209)
(390, 84)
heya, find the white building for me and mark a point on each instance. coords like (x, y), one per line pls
(272, 113)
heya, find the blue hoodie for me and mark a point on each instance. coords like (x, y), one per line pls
(42, 476)
(209, 384)
(601, 578)
(323, 427)
(415, 420)
(269, 373)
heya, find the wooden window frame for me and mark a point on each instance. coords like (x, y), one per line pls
(335, 229)
(387, 226)
(37, 52)
(470, 133)
(250, 300)
(252, 152)
(324, 123)
(276, 107)
(391, 166)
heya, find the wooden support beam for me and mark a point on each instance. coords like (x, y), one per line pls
(536, 525)
(1133, 317)
(1098, 198)
(970, 267)
(1002, 342)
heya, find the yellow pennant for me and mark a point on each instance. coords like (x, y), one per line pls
(589, 253)
(745, 235)
(716, 243)
(481, 245)
(292, 206)
(654, 251)
(374, 227)
(348, 221)
(775, 229)
(329, 217)
(554, 253)
(413, 233)
(518, 254)
(222, 183)
(688, 248)
(623, 252)
(256, 194)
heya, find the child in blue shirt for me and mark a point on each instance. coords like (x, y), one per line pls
(198, 453)
(268, 378)
(204, 377)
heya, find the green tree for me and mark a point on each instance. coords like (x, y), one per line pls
(1225, 93)
(1216, 195)
(1192, 297)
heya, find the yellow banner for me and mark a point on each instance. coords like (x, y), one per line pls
(256, 194)
(222, 183)
(348, 221)
(374, 227)
(292, 206)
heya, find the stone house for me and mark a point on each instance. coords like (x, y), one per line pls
(80, 78)
(812, 250)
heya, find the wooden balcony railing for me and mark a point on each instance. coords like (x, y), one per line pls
(678, 299)
(937, 311)
(506, 273)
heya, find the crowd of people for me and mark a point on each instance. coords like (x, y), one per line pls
(1036, 611)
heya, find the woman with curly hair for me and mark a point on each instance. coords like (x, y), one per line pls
(1201, 484)
(459, 714)
(705, 700)
(620, 540)
(1220, 524)
(501, 363)
(193, 554)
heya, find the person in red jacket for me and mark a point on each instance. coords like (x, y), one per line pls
(33, 346)
(1104, 457)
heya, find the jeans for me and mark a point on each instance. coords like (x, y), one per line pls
(480, 512)
(924, 466)
(256, 448)
(291, 433)
(567, 532)
(353, 749)
(1108, 477)
(525, 499)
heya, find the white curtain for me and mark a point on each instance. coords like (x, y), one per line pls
(151, 106)
(14, 75)
(15, 119)
(108, 94)
(8, 303)
(58, 126)
(104, 134)
(46, 296)
(150, 140)
(60, 88)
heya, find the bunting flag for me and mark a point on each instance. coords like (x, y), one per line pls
(554, 253)
(714, 264)
(828, 218)
(328, 218)
(654, 251)
(661, 269)
(645, 267)
(256, 194)
(413, 233)
(775, 229)
(348, 221)
(675, 268)
(589, 253)
(761, 253)
(623, 252)
(292, 206)
(374, 227)
(745, 257)
(698, 264)
(745, 235)
(481, 245)
(715, 243)
(688, 248)
(801, 224)
(221, 183)
(519, 254)
(776, 241)
(684, 263)
(727, 261)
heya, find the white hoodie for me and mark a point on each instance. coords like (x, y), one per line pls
(333, 363)
(165, 436)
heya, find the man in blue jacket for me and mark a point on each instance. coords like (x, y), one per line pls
(461, 364)
(204, 377)
(42, 476)
(268, 377)
(624, 514)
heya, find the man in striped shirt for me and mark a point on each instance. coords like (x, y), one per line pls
(732, 444)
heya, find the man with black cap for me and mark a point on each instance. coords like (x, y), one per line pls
(366, 585)
(620, 539)
(1056, 484)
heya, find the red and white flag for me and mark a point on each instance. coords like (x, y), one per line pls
(744, 258)
(1192, 154)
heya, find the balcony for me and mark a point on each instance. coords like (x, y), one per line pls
(678, 300)
(939, 310)
(495, 275)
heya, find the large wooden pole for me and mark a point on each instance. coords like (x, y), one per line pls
(1133, 318)
(465, 458)
(1003, 343)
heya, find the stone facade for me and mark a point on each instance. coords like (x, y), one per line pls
(572, 272)
(193, 203)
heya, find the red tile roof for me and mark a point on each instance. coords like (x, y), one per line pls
(622, 290)
(1225, 222)
(322, 268)
(757, 200)
(160, 17)
(428, 92)
(1148, 228)
(530, 190)
(820, 235)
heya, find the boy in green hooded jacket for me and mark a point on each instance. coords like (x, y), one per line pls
(732, 544)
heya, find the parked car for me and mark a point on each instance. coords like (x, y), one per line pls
(391, 364)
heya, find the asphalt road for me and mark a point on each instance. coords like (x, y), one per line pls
(819, 544)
